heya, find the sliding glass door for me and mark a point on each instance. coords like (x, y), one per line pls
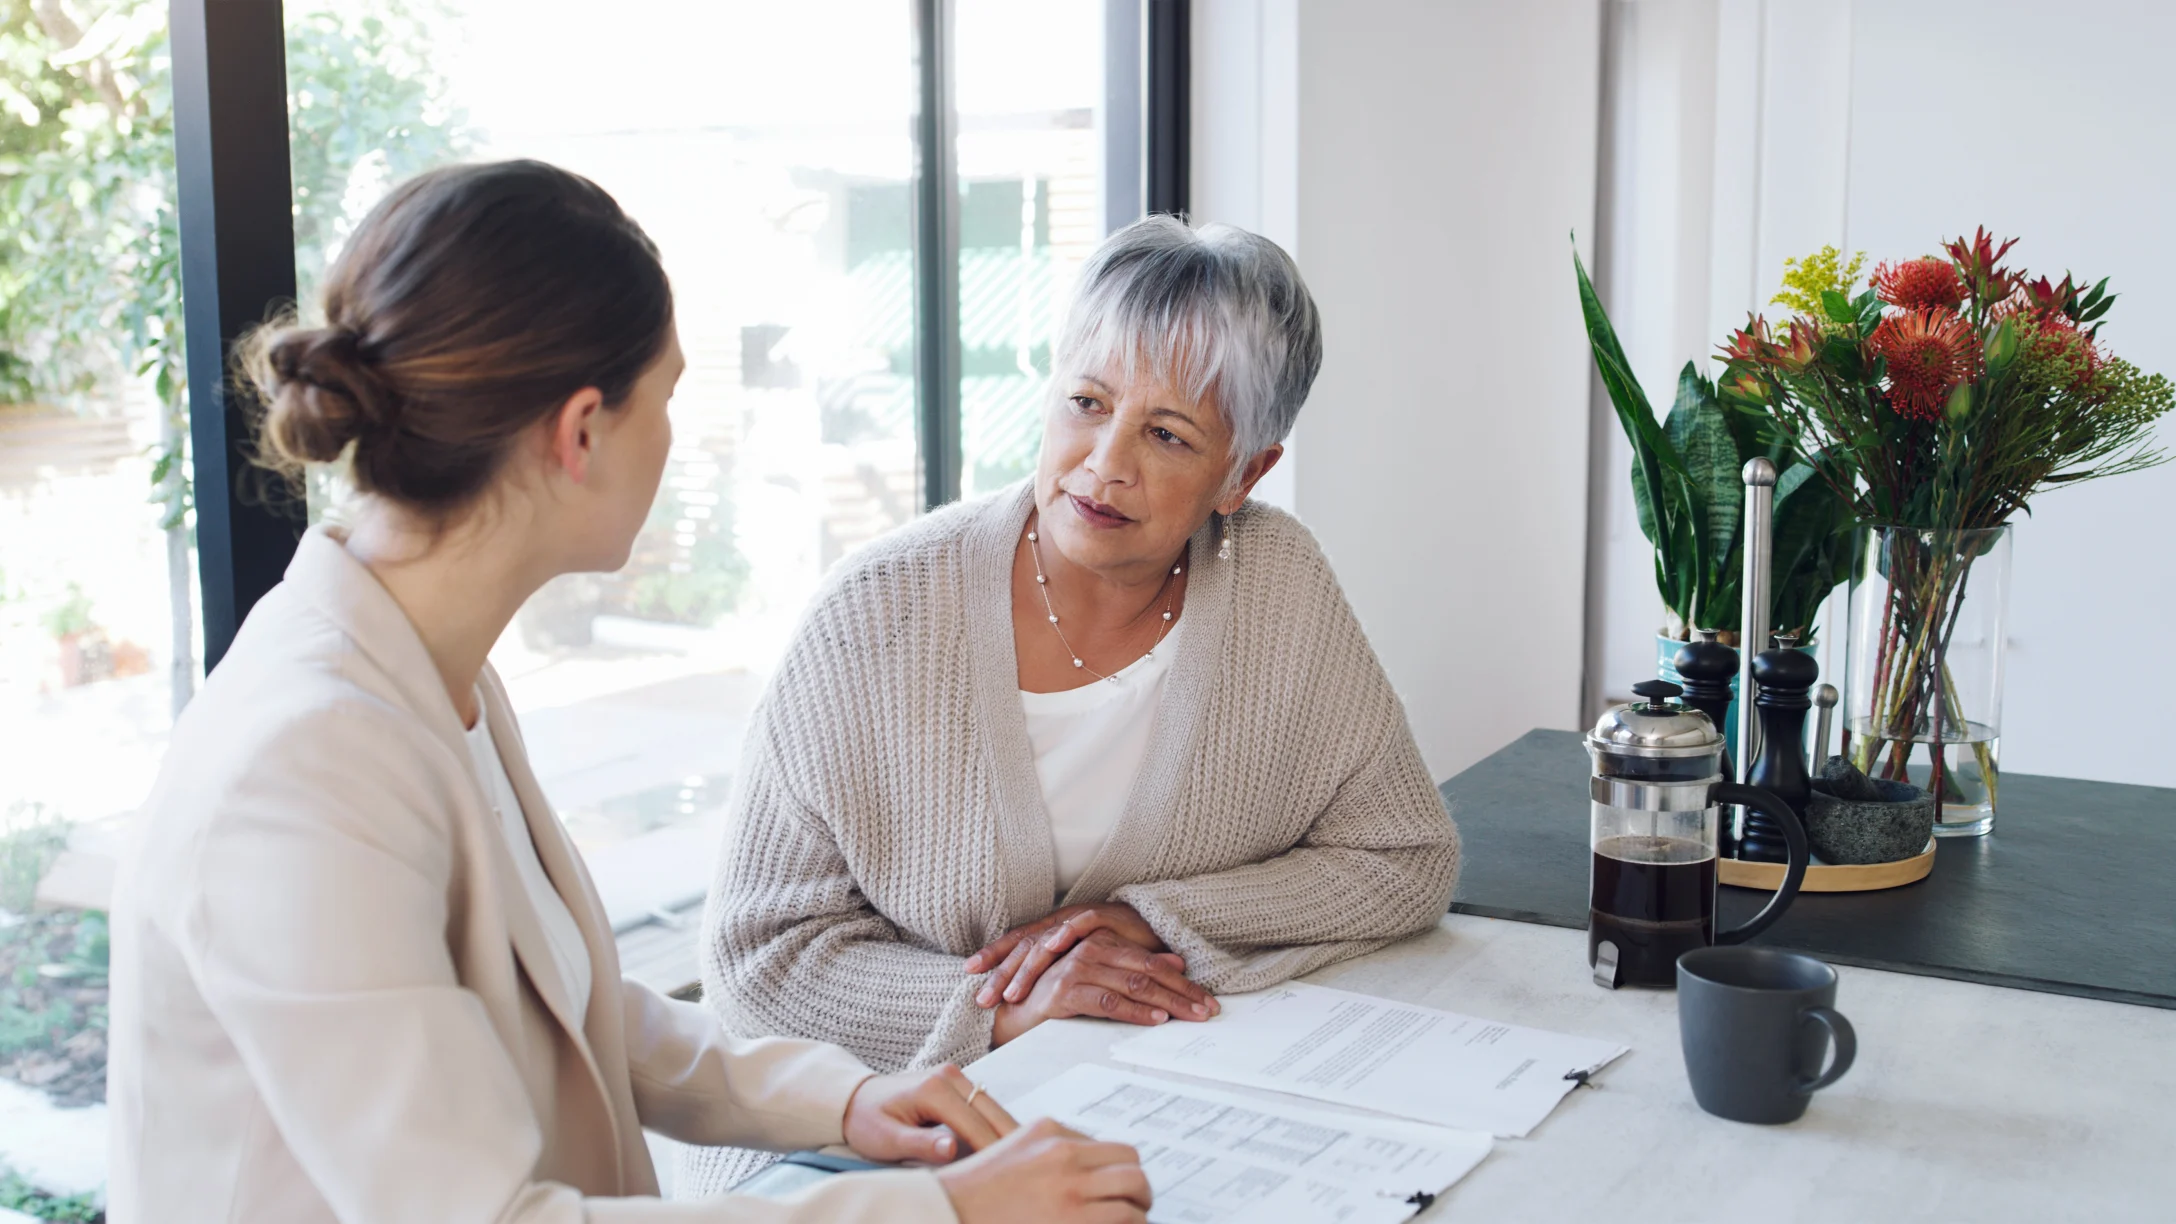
(777, 153)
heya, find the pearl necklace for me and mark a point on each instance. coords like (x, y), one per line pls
(1042, 584)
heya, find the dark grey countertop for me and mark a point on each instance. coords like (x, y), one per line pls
(2074, 892)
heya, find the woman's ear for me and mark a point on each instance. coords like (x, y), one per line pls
(1249, 476)
(574, 433)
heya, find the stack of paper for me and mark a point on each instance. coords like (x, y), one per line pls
(1395, 1058)
(1212, 1157)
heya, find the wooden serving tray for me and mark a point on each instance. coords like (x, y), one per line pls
(1822, 877)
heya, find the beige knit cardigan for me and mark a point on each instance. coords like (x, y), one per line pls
(889, 820)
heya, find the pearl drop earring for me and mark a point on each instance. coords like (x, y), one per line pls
(1224, 550)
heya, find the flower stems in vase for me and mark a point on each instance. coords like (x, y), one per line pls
(1913, 592)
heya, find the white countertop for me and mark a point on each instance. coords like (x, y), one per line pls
(1967, 1103)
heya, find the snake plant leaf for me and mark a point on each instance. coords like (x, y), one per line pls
(1687, 487)
(1812, 546)
(1633, 410)
(1753, 430)
(1700, 430)
(1659, 486)
(1649, 471)
(1682, 550)
(1793, 478)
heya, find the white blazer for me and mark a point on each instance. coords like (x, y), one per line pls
(331, 995)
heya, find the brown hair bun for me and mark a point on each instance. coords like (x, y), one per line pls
(320, 395)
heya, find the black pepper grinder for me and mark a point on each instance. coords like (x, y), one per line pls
(1708, 667)
(1783, 677)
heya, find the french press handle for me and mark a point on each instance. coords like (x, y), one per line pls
(1797, 852)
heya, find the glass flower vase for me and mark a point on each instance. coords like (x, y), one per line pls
(1923, 688)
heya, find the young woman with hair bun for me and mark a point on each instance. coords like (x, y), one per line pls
(359, 971)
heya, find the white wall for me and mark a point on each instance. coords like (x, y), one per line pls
(1728, 122)
(1653, 273)
(1446, 150)
(2084, 171)
(1888, 127)
(1424, 161)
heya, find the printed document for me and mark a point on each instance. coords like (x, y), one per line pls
(1396, 1058)
(1215, 1158)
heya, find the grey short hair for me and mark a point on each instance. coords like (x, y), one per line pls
(1214, 309)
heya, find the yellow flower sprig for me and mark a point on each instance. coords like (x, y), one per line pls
(1805, 280)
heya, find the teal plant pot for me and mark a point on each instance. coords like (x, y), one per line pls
(1666, 649)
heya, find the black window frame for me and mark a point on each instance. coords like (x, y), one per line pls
(238, 268)
(235, 210)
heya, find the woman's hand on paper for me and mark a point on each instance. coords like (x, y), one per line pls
(934, 1117)
(1017, 959)
(1046, 1174)
(1105, 976)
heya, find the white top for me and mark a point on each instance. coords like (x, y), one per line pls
(1089, 744)
(568, 951)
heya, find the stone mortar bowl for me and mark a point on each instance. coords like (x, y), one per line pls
(1853, 831)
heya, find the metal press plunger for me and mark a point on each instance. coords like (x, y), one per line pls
(1758, 533)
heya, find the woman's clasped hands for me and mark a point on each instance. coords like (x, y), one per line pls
(1040, 1173)
(1085, 960)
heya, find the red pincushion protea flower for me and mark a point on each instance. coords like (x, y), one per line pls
(1920, 284)
(1929, 352)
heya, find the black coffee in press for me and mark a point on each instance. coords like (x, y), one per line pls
(1654, 897)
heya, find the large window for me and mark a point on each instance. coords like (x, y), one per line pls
(840, 317)
(98, 611)
(777, 187)
(771, 151)
(1030, 82)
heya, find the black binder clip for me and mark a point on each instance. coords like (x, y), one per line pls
(1421, 1200)
(1581, 1079)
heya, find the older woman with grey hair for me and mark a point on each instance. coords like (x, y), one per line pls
(1106, 743)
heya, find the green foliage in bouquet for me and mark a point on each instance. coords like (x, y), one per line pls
(1940, 399)
(1687, 483)
(1950, 391)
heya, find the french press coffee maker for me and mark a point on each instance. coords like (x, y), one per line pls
(1658, 789)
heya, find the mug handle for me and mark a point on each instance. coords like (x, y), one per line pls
(1842, 1037)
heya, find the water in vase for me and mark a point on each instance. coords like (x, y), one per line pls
(1971, 773)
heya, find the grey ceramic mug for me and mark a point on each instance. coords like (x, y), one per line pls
(1755, 1024)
